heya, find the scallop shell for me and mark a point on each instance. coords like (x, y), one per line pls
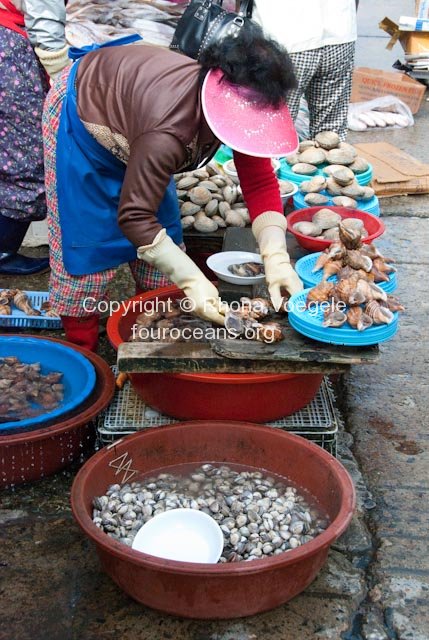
(314, 185)
(307, 144)
(189, 209)
(187, 182)
(359, 165)
(353, 190)
(201, 174)
(328, 139)
(234, 219)
(211, 208)
(209, 185)
(331, 168)
(315, 199)
(303, 168)
(223, 209)
(200, 195)
(344, 201)
(244, 213)
(219, 181)
(307, 228)
(353, 223)
(204, 224)
(326, 219)
(292, 159)
(219, 221)
(332, 187)
(286, 187)
(213, 169)
(230, 194)
(187, 222)
(313, 156)
(331, 234)
(368, 193)
(348, 147)
(343, 176)
(339, 156)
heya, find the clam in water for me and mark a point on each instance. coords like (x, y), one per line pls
(260, 515)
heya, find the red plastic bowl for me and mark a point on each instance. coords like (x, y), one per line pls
(212, 396)
(373, 225)
(234, 589)
(32, 455)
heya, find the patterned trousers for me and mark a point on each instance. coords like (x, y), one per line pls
(23, 87)
(68, 293)
(325, 79)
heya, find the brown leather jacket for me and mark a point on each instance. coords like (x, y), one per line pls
(142, 102)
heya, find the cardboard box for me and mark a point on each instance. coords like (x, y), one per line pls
(411, 41)
(369, 83)
(395, 173)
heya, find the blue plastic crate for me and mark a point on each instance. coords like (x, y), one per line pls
(19, 319)
(370, 206)
(304, 267)
(308, 322)
(286, 173)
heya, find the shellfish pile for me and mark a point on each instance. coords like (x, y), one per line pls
(260, 516)
(25, 391)
(248, 319)
(10, 298)
(210, 200)
(341, 164)
(324, 225)
(355, 297)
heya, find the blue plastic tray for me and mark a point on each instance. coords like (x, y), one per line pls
(286, 173)
(370, 206)
(309, 323)
(304, 267)
(22, 320)
(79, 376)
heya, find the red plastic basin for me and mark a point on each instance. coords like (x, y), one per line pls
(373, 225)
(217, 396)
(234, 589)
(31, 455)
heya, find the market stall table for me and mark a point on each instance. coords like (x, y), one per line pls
(295, 354)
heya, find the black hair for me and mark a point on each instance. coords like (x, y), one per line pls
(254, 61)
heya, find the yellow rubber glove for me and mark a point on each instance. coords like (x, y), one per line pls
(53, 61)
(269, 229)
(176, 265)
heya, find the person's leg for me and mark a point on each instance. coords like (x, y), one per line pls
(75, 298)
(328, 94)
(147, 277)
(23, 87)
(304, 64)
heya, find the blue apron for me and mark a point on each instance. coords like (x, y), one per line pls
(89, 182)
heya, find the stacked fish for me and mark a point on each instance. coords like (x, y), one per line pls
(99, 21)
(355, 298)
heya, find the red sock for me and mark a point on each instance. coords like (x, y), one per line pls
(82, 331)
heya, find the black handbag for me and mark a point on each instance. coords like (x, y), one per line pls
(204, 22)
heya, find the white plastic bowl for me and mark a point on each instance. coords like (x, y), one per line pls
(186, 535)
(219, 263)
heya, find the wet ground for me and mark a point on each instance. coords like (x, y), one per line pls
(375, 585)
